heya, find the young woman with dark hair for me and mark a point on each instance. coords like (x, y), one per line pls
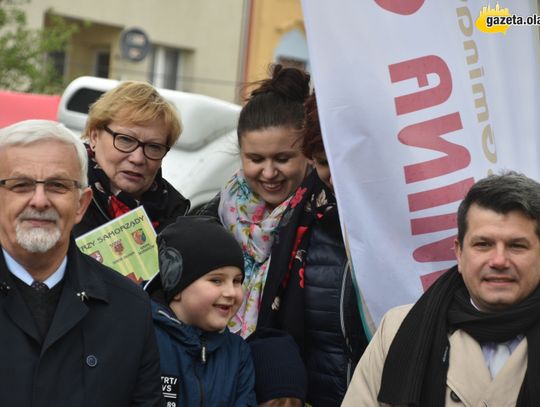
(252, 203)
(309, 291)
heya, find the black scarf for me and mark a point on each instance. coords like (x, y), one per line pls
(415, 369)
(282, 304)
(154, 201)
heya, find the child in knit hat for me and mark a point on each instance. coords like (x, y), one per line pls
(280, 375)
(197, 290)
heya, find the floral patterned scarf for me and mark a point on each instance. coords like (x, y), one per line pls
(254, 225)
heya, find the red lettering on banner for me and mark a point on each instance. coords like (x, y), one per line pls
(404, 7)
(435, 223)
(428, 279)
(439, 196)
(420, 68)
(428, 135)
(442, 250)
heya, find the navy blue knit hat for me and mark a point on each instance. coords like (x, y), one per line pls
(279, 369)
(188, 249)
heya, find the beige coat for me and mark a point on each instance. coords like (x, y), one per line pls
(468, 376)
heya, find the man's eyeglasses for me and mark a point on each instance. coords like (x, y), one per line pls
(27, 185)
(128, 144)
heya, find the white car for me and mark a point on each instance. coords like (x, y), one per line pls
(205, 156)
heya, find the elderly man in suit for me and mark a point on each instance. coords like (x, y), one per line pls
(72, 331)
(473, 338)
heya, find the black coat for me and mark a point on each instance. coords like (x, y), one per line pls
(323, 317)
(335, 339)
(98, 352)
(211, 208)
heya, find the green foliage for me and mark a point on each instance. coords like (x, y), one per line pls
(24, 65)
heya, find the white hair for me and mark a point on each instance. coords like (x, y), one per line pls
(31, 131)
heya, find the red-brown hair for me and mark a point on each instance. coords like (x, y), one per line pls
(312, 142)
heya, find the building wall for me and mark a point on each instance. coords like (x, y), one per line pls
(271, 21)
(207, 32)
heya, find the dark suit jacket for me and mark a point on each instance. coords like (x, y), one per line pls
(98, 352)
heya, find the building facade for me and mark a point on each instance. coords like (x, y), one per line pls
(192, 46)
(275, 33)
(205, 46)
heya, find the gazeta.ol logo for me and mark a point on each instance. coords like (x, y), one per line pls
(499, 19)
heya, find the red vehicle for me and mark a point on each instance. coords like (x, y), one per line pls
(15, 107)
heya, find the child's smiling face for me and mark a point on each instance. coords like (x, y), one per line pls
(210, 301)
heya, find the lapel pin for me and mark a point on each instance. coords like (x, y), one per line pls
(4, 287)
(82, 295)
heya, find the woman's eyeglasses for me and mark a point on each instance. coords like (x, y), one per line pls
(128, 144)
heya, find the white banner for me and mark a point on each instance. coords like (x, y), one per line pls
(417, 103)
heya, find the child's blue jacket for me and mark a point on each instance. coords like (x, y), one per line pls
(201, 368)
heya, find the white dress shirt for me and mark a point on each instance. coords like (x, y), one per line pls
(20, 272)
(494, 354)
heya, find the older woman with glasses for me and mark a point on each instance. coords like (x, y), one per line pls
(129, 130)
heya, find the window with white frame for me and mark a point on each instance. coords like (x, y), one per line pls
(165, 67)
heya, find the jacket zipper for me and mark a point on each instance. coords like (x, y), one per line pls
(203, 350)
(342, 320)
(202, 361)
(195, 362)
(201, 388)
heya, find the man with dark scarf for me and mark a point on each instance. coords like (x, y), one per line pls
(446, 349)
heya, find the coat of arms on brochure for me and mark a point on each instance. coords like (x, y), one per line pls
(118, 247)
(97, 255)
(139, 236)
